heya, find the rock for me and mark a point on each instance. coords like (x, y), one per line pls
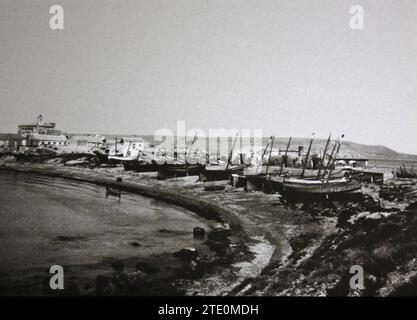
(104, 285)
(118, 266)
(412, 206)
(219, 235)
(199, 233)
(138, 279)
(187, 254)
(72, 289)
(146, 268)
(218, 246)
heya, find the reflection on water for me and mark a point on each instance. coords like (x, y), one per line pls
(46, 221)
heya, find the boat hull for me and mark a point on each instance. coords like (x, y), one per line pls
(323, 188)
(138, 166)
(217, 174)
(175, 171)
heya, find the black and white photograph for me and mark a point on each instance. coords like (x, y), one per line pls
(208, 148)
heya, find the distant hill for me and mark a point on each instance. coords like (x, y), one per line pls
(348, 148)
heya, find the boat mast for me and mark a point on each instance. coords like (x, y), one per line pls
(175, 149)
(285, 156)
(128, 148)
(189, 149)
(324, 154)
(207, 150)
(231, 152)
(269, 158)
(330, 159)
(335, 156)
(263, 154)
(308, 154)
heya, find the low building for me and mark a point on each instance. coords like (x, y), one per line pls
(352, 160)
(9, 142)
(89, 141)
(47, 140)
(375, 175)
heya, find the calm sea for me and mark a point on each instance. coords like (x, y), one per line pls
(46, 221)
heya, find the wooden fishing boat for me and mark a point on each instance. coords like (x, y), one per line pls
(167, 171)
(139, 162)
(102, 155)
(220, 172)
(256, 177)
(167, 167)
(318, 186)
(139, 165)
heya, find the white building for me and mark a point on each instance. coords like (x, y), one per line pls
(89, 141)
(47, 140)
(39, 127)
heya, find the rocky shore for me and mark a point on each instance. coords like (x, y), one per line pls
(265, 245)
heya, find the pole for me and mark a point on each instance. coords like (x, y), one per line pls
(285, 156)
(308, 154)
(335, 156)
(189, 149)
(231, 152)
(175, 149)
(324, 154)
(128, 148)
(269, 158)
(263, 154)
(330, 159)
(207, 150)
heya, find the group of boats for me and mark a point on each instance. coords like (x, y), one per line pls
(323, 179)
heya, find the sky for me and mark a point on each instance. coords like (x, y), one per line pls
(287, 67)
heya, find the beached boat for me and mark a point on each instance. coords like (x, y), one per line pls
(168, 167)
(102, 155)
(135, 155)
(139, 163)
(318, 186)
(255, 177)
(222, 172)
(167, 171)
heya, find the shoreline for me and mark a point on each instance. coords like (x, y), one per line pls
(204, 209)
(278, 245)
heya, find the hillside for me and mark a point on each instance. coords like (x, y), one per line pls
(348, 148)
